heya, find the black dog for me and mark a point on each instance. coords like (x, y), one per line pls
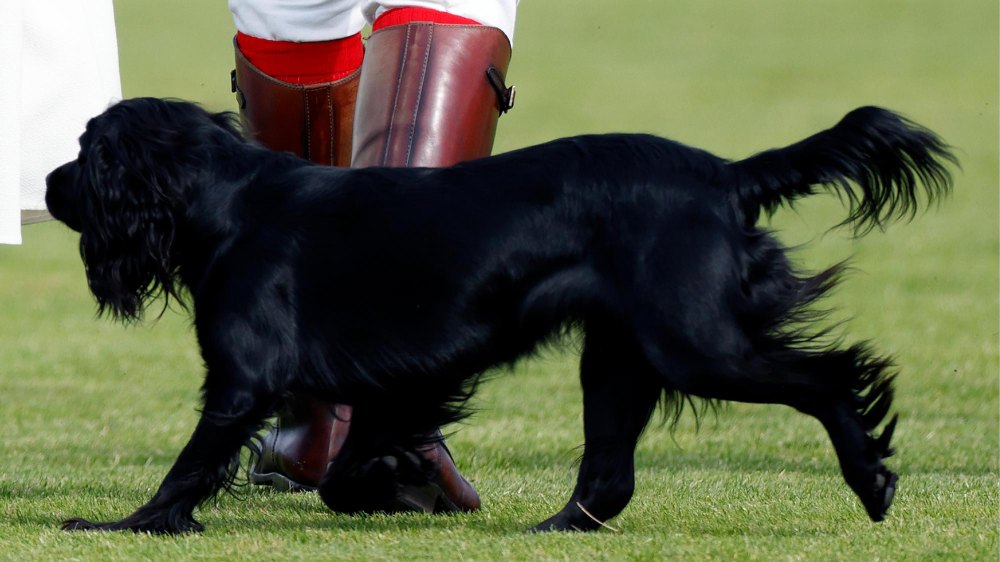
(394, 289)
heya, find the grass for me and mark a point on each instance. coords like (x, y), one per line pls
(94, 413)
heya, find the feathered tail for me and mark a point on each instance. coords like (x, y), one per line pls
(875, 159)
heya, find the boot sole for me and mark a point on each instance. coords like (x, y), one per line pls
(279, 482)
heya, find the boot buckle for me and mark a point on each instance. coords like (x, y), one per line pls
(241, 99)
(505, 95)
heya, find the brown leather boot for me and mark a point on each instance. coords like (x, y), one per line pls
(314, 121)
(431, 95)
(294, 454)
(308, 434)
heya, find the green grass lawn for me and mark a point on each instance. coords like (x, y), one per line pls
(94, 413)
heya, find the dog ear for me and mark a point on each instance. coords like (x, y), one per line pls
(129, 221)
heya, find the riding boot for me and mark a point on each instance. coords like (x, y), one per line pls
(431, 95)
(308, 433)
(314, 121)
(294, 454)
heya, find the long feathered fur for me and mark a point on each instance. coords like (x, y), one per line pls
(875, 160)
(393, 290)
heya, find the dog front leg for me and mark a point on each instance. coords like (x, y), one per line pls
(206, 464)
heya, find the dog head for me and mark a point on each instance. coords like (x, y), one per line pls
(126, 195)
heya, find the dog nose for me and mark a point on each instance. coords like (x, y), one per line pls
(52, 183)
(57, 182)
(51, 198)
(53, 176)
(49, 180)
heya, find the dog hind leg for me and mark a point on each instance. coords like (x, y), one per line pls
(847, 390)
(760, 350)
(620, 392)
(851, 414)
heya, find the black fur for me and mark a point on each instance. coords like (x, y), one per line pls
(394, 289)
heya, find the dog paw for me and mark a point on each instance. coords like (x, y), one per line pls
(152, 527)
(567, 520)
(556, 524)
(82, 525)
(550, 525)
(882, 493)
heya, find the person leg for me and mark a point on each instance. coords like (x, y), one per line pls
(432, 89)
(430, 94)
(282, 106)
(296, 81)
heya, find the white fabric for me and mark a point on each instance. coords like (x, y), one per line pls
(323, 20)
(59, 66)
(297, 20)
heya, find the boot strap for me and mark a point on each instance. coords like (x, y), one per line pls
(505, 95)
(240, 98)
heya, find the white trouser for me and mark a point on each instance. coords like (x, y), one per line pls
(58, 68)
(322, 20)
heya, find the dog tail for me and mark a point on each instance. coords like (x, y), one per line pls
(875, 159)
